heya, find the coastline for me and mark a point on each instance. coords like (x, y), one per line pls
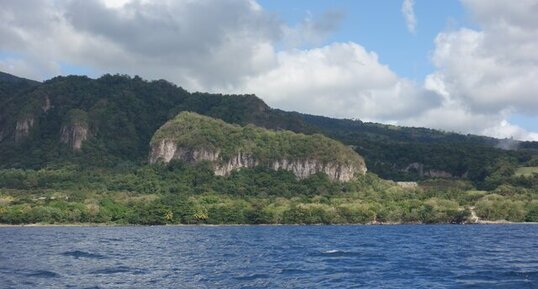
(41, 225)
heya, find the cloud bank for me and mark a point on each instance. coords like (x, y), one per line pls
(488, 74)
(481, 77)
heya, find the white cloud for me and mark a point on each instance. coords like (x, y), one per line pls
(201, 44)
(28, 68)
(485, 75)
(504, 129)
(482, 76)
(342, 80)
(234, 52)
(409, 15)
(115, 3)
(313, 30)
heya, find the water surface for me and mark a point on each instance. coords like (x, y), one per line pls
(404, 256)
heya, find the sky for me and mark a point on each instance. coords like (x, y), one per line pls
(468, 66)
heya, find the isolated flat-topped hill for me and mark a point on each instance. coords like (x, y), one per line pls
(193, 138)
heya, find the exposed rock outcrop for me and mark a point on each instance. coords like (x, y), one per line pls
(305, 168)
(46, 106)
(407, 185)
(238, 161)
(74, 136)
(167, 151)
(193, 138)
(419, 169)
(438, 174)
(75, 129)
(22, 128)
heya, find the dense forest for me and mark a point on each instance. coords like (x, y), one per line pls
(192, 194)
(75, 149)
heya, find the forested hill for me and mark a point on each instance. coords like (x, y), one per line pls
(109, 121)
(40, 123)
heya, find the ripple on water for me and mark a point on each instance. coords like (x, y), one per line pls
(335, 253)
(271, 257)
(81, 254)
(118, 269)
(252, 276)
(42, 274)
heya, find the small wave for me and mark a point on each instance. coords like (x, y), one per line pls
(116, 270)
(81, 254)
(252, 277)
(336, 253)
(291, 271)
(43, 274)
(111, 270)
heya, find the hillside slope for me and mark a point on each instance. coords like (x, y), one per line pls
(109, 122)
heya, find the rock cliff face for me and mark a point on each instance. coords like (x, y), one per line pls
(175, 141)
(75, 129)
(23, 127)
(46, 106)
(419, 169)
(74, 135)
(167, 151)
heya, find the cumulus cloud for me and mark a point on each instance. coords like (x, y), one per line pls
(342, 80)
(485, 75)
(409, 15)
(196, 43)
(213, 45)
(313, 30)
(481, 77)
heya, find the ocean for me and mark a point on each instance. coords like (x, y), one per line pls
(387, 256)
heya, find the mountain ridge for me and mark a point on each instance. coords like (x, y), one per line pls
(123, 112)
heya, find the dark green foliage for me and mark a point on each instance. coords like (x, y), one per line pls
(107, 181)
(124, 112)
(389, 150)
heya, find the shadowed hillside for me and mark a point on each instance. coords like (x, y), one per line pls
(109, 121)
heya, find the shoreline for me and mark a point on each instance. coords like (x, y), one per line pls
(81, 225)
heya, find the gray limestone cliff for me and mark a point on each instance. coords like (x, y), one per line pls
(74, 136)
(46, 106)
(167, 150)
(22, 128)
(75, 129)
(419, 169)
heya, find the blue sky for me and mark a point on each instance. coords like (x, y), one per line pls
(380, 27)
(460, 69)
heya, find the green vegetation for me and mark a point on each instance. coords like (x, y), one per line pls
(77, 117)
(187, 194)
(389, 151)
(191, 130)
(526, 171)
(109, 181)
(124, 112)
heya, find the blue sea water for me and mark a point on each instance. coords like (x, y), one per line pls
(402, 256)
